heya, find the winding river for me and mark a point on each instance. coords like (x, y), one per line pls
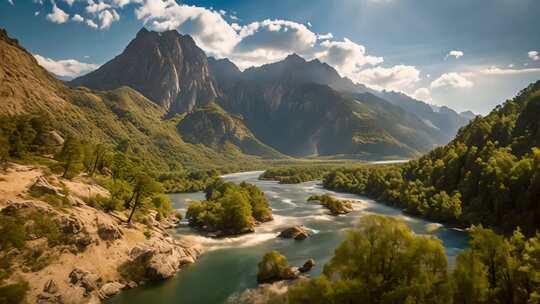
(230, 265)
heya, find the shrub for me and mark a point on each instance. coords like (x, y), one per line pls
(271, 267)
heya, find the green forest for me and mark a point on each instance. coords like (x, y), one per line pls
(490, 174)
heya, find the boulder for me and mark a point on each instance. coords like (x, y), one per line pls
(307, 266)
(110, 289)
(161, 258)
(290, 273)
(108, 231)
(89, 281)
(50, 287)
(295, 232)
(41, 185)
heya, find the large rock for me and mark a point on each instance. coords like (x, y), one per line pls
(41, 185)
(307, 266)
(89, 281)
(295, 232)
(110, 289)
(52, 139)
(108, 231)
(50, 287)
(161, 258)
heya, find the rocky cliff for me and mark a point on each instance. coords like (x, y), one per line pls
(167, 68)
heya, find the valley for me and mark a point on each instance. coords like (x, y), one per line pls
(203, 158)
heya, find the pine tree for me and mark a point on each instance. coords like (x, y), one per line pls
(71, 157)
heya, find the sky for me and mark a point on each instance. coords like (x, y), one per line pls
(465, 54)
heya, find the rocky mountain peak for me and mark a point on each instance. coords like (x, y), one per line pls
(166, 67)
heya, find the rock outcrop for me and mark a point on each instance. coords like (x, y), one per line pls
(166, 67)
(158, 259)
(308, 265)
(295, 232)
(43, 186)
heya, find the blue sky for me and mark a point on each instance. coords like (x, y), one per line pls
(467, 54)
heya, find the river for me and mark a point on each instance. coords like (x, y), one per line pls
(230, 265)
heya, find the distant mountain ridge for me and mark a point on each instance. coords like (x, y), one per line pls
(274, 101)
(446, 120)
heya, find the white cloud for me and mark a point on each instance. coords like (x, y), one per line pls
(91, 24)
(77, 18)
(57, 15)
(11, 2)
(94, 8)
(509, 71)
(347, 57)
(454, 53)
(327, 36)
(396, 78)
(122, 3)
(454, 80)
(69, 2)
(423, 94)
(107, 17)
(66, 67)
(533, 55)
(36, 13)
(208, 28)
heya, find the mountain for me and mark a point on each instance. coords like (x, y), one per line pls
(444, 119)
(166, 67)
(295, 69)
(213, 127)
(294, 107)
(121, 115)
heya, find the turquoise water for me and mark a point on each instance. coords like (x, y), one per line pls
(230, 265)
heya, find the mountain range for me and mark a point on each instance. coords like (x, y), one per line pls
(167, 98)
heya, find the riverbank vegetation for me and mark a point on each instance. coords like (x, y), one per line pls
(490, 174)
(229, 209)
(296, 174)
(383, 261)
(336, 206)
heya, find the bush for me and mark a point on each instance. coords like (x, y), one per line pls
(271, 267)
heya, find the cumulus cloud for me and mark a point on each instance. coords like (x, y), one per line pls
(454, 53)
(107, 17)
(91, 24)
(69, 2)
(66, 67)
(94, 8)
(207, 27)
(396, 78)
(346, 56)
(57, 15)
(454, 80)
(77, 18)
(423, 94)
(533, 55)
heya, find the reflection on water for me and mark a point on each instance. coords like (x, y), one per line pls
(229, 265)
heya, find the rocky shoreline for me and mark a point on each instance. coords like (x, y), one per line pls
(97, 255)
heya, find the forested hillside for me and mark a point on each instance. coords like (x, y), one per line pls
(489, 174)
